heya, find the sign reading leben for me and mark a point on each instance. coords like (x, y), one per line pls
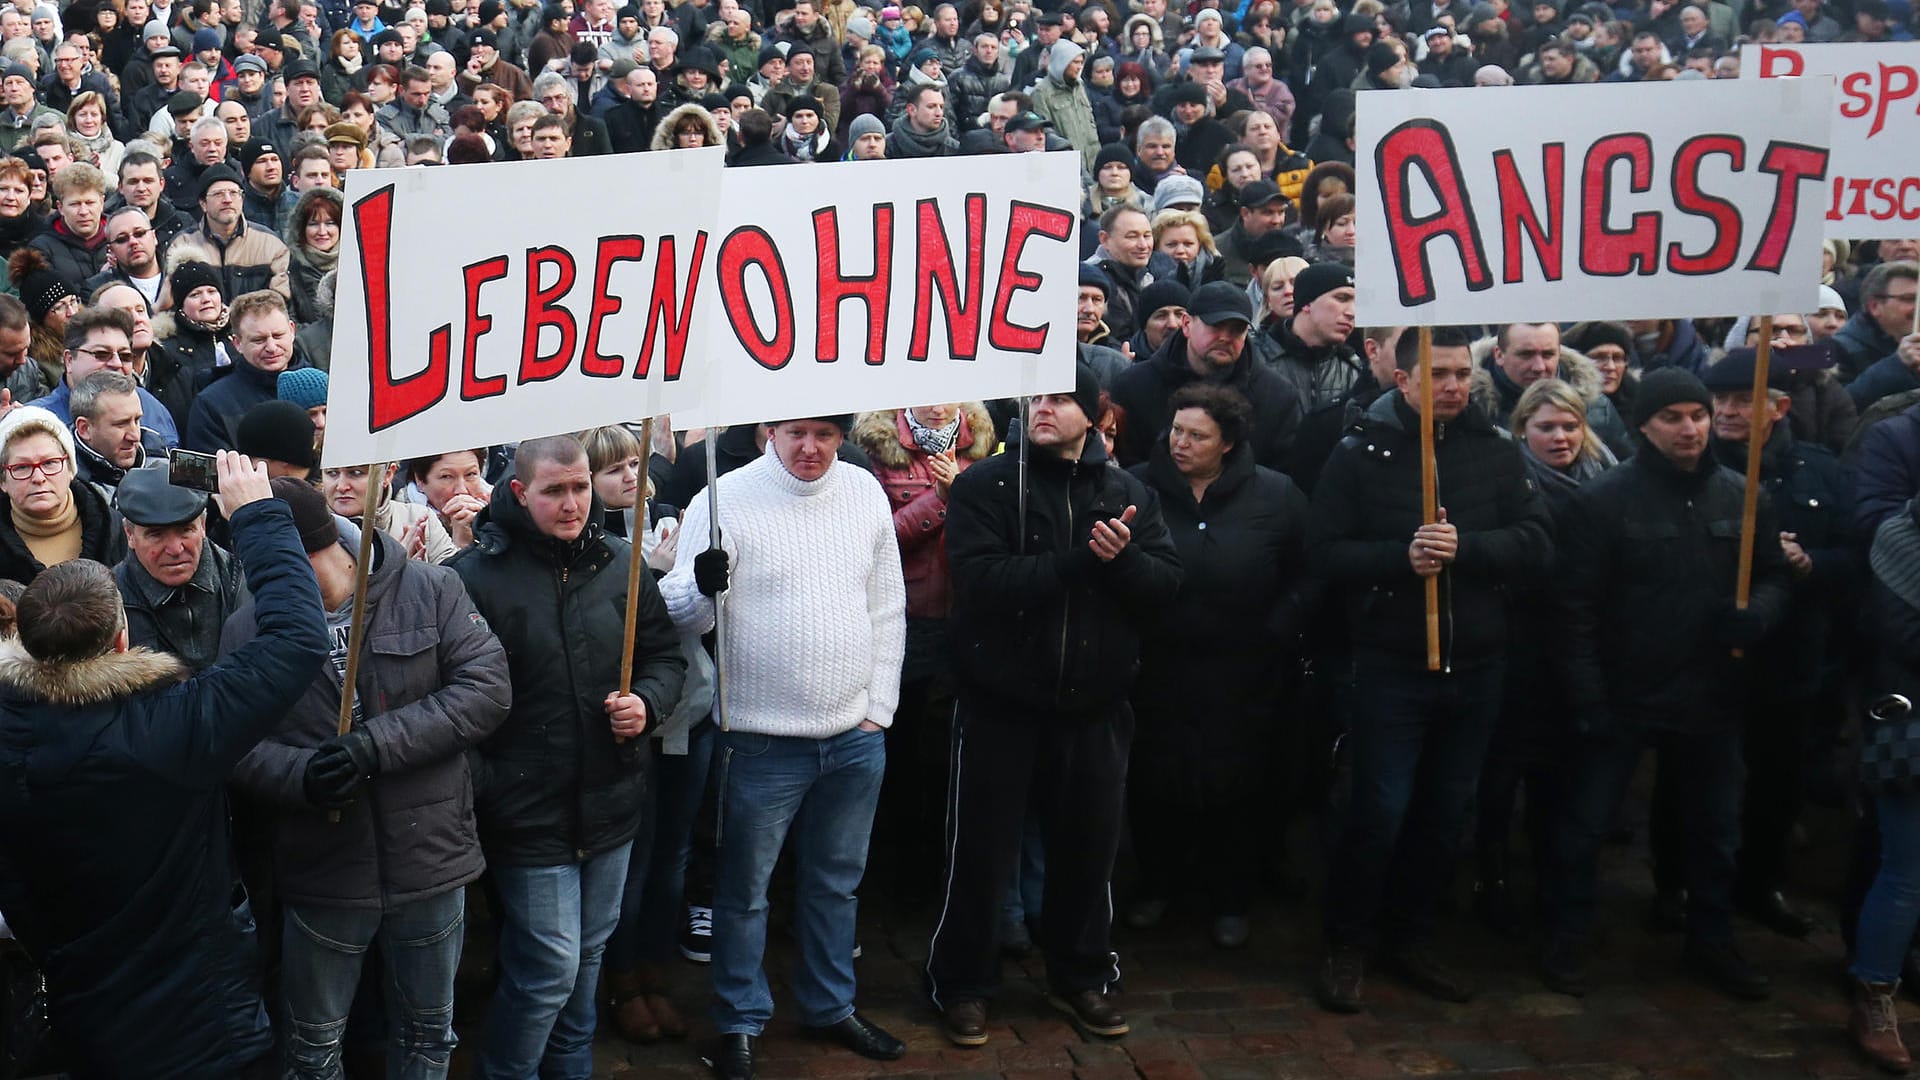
(1602, 201)
(760, 294)
(950, 279)
(1873, 190)
(462, 320)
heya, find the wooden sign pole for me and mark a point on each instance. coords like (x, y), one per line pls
(1757, 432)
(1429, 490)
(636, 565)
(357, 630)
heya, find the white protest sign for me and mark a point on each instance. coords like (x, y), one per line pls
(1601, 201)
(871, 285)
(1873, 186)
(485, 304)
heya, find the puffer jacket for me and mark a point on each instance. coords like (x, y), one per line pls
(551, 785)
(969, 89)
(1046, 626)
(1366, 508)
(919, 514)
(1648, 565)
(432, 683)
(113, 829)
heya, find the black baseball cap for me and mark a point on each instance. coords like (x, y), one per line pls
(1259, 193)
(1218, 302)
(1028, 121)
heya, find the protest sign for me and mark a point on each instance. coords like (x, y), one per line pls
(868, 285)
(1602, 201)
(484, 304)
(1873, 192)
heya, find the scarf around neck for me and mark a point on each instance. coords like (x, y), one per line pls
(933, 440)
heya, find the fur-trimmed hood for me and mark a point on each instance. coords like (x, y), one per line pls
(93, 681)
(1575, 369)
(663, 133)
(878, 433)
(181, 252)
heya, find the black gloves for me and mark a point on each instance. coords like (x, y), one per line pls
(710, 571)
(338, 769)
(1739, 629)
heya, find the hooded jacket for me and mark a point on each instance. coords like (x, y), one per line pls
(1366, 508)
(1146, 389)
(432, 683)
(1067, 104)
(115, 857)
(551, 785)
(1042, 626)
(1499, 395)
(919, 514)
(663, 133)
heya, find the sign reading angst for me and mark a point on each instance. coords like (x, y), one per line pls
(1603, 201)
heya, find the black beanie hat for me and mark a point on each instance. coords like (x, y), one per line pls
(318, 531)
(1086, 390)
(1589, 335)
(277, 431)
(1163, 293)
(1111, 153)
(192, 274)
(41, 286)
(1380, 57)
(1664, 387)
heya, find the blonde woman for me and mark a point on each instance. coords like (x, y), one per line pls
(1184, 237)
(1276, 308)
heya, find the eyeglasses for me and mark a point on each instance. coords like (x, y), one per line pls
(49, 468)
(107, 356)
(137, 234)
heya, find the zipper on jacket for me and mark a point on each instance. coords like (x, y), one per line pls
(1066, 603)
(580, 754)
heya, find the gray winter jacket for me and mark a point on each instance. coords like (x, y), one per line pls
(432, 683)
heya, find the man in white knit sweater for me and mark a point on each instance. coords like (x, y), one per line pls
(816, 630)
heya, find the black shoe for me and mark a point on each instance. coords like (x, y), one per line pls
(1423, 971)
(696, 939)
(965, 1023)
(1563, 966)
(1720, 963)
(1772, 911)
(734, 1059)
(1667, 914)
(1343, 979)
(859, 1035)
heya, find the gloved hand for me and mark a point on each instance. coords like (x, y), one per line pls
(338, 769)
(1738, 629)
(710, 571)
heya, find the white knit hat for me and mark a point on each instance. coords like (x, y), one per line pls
(29, 419)
(1830, 299)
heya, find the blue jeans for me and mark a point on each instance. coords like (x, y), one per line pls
(1029, 885)
(555, 921)
(1892, 907)
(651, 914)
(320, 969)
(1418, 741)
(824, 792)
(1711, 770)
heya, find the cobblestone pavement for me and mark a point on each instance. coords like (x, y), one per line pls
(1202, 1014)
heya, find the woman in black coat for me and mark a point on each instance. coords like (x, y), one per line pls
(1214, 670)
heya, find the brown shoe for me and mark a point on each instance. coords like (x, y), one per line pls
(1875, 1026)
(1093, 1011)
(965, 1023)
(628, 1009)
(665, 1015)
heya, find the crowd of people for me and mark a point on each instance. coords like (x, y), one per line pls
(1162, 614)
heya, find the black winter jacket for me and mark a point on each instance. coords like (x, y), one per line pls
(1050, 628)
(1145, 389)
(115, 858)
(1366, 509)
(1220, 649)
(552, 786)
(74, 259)
(1648, 575)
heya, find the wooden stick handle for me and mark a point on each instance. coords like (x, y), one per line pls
(357, 630)
(1429, 489)
(1757, 432)
(635, 565)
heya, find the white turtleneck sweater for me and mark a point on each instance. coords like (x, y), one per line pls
(815, 603)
